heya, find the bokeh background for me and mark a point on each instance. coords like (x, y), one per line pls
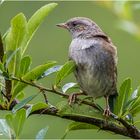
(119, 20)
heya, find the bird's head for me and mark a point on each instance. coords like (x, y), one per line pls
(80, 26)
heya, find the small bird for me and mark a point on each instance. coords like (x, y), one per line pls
(95, 57)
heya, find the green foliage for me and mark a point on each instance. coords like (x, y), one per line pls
(35, 21)
(51, 70)
(67, 68)
(14, 39)
(135, 103)
(24, 65)
(16, 121)
(13, 62)
(78, 126)
(22, 103)
(39, 106)
(32, 76)
(128, 102)
(124, 94)
(75, 109)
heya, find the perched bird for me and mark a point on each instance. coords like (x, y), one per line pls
(96, 59)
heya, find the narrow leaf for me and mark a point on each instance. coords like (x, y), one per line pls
(20, 96)
(78, 126)
(31, 76)
(14, 39)
(134, 107)
(10, 55)
(38, 106)
(16, 121)
(35, 21)
(28, 111)
(67, 68)
(50, 71)
(124, 92)
(1, 67)
(68, 86)
(24, 65)
(19, 121)
(41, 134)
(23, 103)
(135, 110)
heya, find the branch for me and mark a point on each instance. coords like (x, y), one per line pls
(102, 124)
(41, 88)
(125, 129)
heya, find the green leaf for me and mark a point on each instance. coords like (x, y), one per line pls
(134, 108)
(35, 21)
(67, 68)
(19, 121)
(24, 65)
(16, 121)
(31, 76)
(124, 94)
(5, 34)
(21, 95)
(14, 40)
(68, 86)
(63, 107)
(28, 111)
(9, 120)
(78, 126)
(50, 71)
(10, 55)
(5, 129)
(22, 103)
(1, 67)
(38, 106)
(41, 134)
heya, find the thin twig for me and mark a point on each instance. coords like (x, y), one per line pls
(41, 88)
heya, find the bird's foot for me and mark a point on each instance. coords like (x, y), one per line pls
(72, 99)
(107, 112)
(73, 96)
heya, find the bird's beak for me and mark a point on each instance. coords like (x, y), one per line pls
(62, 25)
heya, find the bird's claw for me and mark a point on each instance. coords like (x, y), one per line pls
(72, 98)
(107, 112)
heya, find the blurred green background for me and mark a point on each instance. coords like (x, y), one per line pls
(51, 43)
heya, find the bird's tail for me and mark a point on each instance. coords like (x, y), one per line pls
(112, 100)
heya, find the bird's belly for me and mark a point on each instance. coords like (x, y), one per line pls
(89, 82)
